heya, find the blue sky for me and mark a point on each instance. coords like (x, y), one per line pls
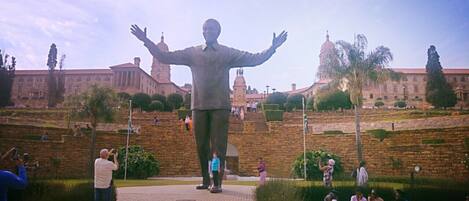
(95, 33)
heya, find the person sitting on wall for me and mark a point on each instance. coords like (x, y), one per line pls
(358, 195)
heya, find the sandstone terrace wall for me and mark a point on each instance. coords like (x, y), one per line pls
(175, 149)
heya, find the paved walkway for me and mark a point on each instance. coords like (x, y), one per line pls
(184, 193)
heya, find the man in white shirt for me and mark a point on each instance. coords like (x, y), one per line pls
(103, 175)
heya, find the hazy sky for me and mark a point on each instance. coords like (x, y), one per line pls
(95, 33)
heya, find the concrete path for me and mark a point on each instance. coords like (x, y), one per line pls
(184, 193)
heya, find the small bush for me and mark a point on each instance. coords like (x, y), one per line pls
(379, 104)
(400, 104)
(56, 190)
(277, 190)
(140, 165)
(182, 113)
(381, 134)
(270, 107)
(466, 142)
(312, 169)
(333, 132)
(273, 115)
(32, 137)
(433, 141)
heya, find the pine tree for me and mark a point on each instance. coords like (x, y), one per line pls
(51, 79)
(439, 92)
(7, 73)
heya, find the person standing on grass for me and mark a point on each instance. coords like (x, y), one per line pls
(327, 172)
(362, 175)
(103, 175)
(215, 167)
(262, 171)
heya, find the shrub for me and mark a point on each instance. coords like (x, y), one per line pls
(379, 104)
(277, 98)
(174, 101)
(140, 164)
(273, 115)
(123, 96)
(57, 190)
(312, 169)
(294, 101)
(141, 100)
(156, 105)
(162, 99)
(277, 190)
(400, 104)
(187, 101)
(333, 132)
(381, 134)
(433, 141)
(334, 101)
(466, 142)
(182, 113)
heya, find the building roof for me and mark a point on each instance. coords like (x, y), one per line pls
(125, 65)
(67, 71)
(447, 71)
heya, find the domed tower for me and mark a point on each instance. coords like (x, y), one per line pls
(159, 71)
(239, 90)
(327, 53)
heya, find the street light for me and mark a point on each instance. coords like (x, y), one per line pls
(403, 92)
(267, 89)
(273, 90)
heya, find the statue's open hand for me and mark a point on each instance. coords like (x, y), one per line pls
(137, 32)
(277, 41)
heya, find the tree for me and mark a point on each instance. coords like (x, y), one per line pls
(51, 79)
(295, 101)
(175, 101)
(438, 92)
(334, 100)
(61, 81)
(312, 168)
(187, 101)
(351, 68)
(156, 105)
(95, 105)
(7, 73)
(400, 104)
(162, 99)
(141, 100)
(277, 98)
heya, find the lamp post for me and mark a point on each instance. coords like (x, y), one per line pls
(267, 89)
(403, 92)
(273, 90)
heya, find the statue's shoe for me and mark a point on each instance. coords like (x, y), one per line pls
(201, 187)
(215, 190)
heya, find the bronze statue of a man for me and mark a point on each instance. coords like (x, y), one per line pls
(210, 64)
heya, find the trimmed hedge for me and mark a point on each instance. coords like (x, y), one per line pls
(333, 132)
(433, 141)
(381, 134)
(273, 115)
(270, 107)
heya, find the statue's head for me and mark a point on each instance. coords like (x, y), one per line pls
(211, 31)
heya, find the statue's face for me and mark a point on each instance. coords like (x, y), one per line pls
(211, 31)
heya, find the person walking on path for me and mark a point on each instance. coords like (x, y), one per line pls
(103, 175)
(261, 168)
(327, 172)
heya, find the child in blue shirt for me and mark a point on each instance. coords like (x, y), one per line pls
(215, 167)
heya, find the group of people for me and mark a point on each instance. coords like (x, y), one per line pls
(237, 112)
(186, 124)
(359, 195)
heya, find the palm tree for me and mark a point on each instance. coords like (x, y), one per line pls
(350, 68)
(95, 105)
